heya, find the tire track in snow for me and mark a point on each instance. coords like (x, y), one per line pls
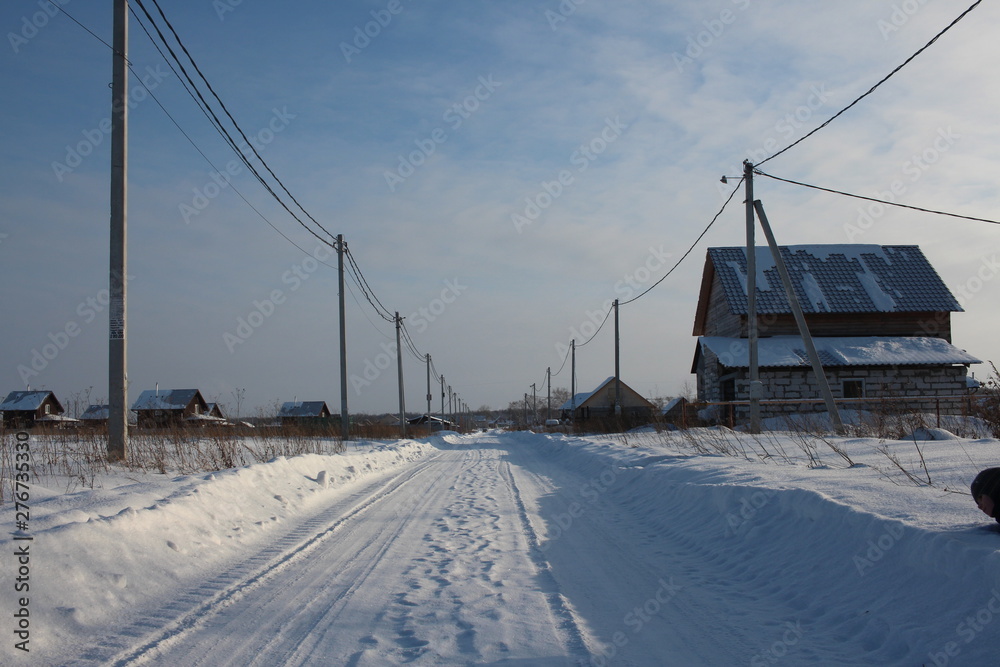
(568, 622)
(166, 626)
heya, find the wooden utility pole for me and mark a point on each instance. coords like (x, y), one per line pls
(756, 389)
(345, 424)
(117, 312)
(399, 370)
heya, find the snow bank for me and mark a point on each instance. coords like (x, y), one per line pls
(100, 555)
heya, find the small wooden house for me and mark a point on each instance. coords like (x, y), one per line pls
(880, 318)
(599, 404)
(23, 409)
(158, 408)
(311, 414)
(215, 411)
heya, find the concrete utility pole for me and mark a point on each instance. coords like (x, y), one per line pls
(800, 320)
(444, 415)
(548, 400)
(618, 375)
(572, 384)
(534, 402)
(756, 389)
(117, 312)
(345, 424)
(428, 391)
(399, 369)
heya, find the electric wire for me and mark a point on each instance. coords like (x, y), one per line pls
(880, 201)
(872, 89)
(180, 129)
(217, 123)
(606, 315)
(689, 250)
(230, 116)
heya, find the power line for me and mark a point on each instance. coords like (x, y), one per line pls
(606, 315)
(689, 250)
(217, 123)
(880, 201)
(872, 89)
(366, 289)
(181, 129)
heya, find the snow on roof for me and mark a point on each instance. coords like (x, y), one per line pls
(836, 278)
(577, 400)
(170, 399)
(303, 409)
(839, 351)
(24, 401)
(96, 412)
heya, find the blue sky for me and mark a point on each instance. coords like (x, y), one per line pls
(430, 144)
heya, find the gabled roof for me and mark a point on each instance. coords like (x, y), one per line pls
(96, 412)
(170, 399)
(27, 401)
(303, 409)
(845, 278)
(784, 351)
(214, 407)
(580, 399)
(577, 401)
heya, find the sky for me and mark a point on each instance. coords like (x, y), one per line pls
(501, 171)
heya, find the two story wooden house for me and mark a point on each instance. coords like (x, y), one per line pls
(880, 317)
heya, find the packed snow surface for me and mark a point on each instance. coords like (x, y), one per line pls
(524, 549)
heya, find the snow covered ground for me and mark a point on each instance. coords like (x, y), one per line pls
(520, 549)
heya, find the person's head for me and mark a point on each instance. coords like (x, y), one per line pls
(986, 491)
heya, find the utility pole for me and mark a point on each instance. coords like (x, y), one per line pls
(548, 400)
(800, 320)
(399, 369)
(451, 412)
(117, 312)
(345, 424)
(444, 416)
(534, 402)
(618, 377)
(572, 384)
(428, 391)
(756, 389)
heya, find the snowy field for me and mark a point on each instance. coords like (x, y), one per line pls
(519, 549)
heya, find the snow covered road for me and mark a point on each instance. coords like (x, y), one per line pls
(526, 549)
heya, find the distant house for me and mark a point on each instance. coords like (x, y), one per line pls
(432, 422)
(215, 411)
(95, 415)
(313, 414)
(23, 409)
(600, 404)
(158, 408)
(880, 317)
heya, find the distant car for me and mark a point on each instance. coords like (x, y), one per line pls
(552, 422)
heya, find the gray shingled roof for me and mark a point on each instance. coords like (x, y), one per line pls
(851, 278)
(302, 409)
(25, 401)
(169, 399)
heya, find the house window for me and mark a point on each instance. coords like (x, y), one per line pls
(728, 389)
(48, 409)
(853, 388)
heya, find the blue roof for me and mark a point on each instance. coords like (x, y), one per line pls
(25, 401)
(169, 399)
(303, 409)
(846, 278)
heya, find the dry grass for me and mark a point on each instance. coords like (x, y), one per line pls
(78, 459)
